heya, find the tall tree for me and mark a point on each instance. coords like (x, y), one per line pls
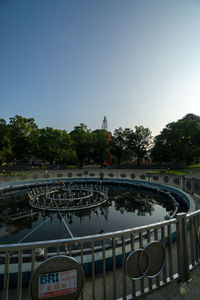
(23, 133)
(179, 141)
(100, 146)
(120, 144)
(140, 141)
(6, 154)
(82, 140)
(55, 146)
(128, 144)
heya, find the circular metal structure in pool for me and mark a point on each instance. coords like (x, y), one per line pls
(67, 197)
(50, 209)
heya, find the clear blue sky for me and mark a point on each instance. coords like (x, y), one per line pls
(64, 62)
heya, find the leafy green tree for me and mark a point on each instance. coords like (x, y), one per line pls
(128, 144)
(23, 133)
(6, 154)
(140, 141)
(179, 141)
(120, 144)
(83, 143)
(100, 146)
(55, 146)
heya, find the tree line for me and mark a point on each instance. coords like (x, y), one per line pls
(21, 141)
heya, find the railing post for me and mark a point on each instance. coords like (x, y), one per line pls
(183, 182)
(192, 186)
(183, 247)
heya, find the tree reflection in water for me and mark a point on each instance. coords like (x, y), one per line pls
(140, 203)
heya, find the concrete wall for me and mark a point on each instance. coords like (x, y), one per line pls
(188, 184)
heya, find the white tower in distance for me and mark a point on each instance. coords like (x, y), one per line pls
(104, 124)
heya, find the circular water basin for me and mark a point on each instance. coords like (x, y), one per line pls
(126, 207)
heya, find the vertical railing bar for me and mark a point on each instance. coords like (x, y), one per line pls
(19, 277)
(141, 246)
(66, 249)
(70, 249)
(114, 268)
(184, 248)
(82, 295)
(192, 241)
(163, 242)
(123, 267)
(156, 238)
(148, 241)
(58, 249)
(169, 235)
(93, 271)
(6, 276)
(156, 234)
(198, 249)
(104, 269)
(33, 261)
(45, 252)
(82, 256)
(195, 238)
(178, 241)
(132, 249)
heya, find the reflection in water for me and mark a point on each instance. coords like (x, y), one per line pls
(126, 208)
(140, 203)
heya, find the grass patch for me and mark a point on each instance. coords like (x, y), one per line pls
(71, 167)
(12, 174)
(173, 172)
(194, 166)
(6, 174)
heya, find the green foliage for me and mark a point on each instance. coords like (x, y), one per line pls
(55, 146)
(6, 152)
(13, 174)
(193, 166)
(172, 172)
(179, 142)
(100, 146)
(82, 138)
(141, 142)
(23, 133)
(131, 144)
(120, 144)
(21, 139)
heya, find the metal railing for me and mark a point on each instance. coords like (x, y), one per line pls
(103, 258)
